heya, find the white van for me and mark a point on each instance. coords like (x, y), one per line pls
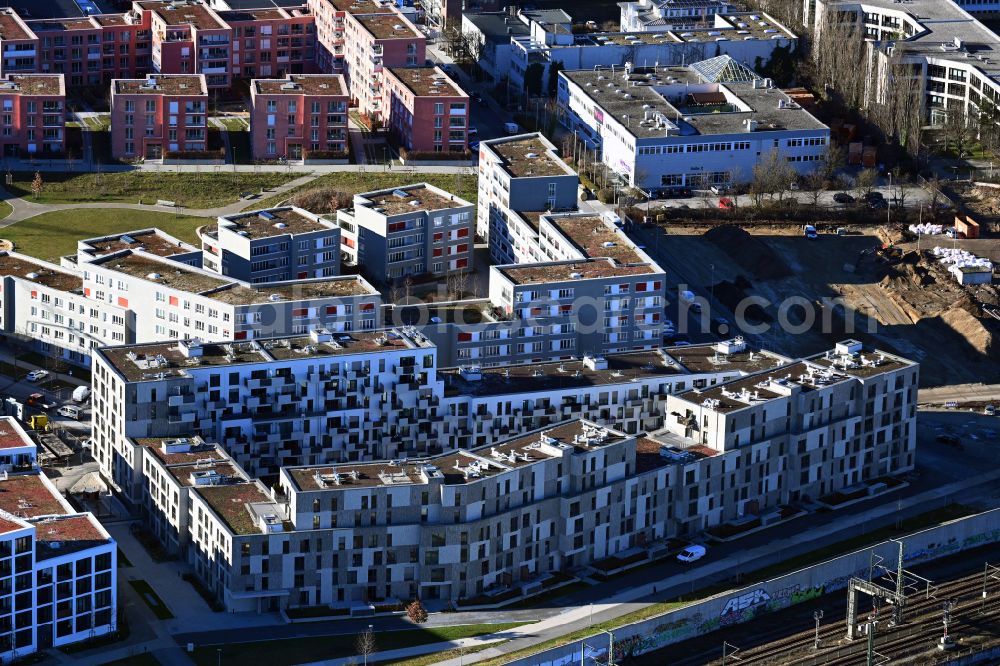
(81, 393)
(69, 411)
(611, 217)
(511, 128)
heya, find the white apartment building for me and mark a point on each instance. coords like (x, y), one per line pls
(47, 306)
(648, 124)
(956, 58)
(58, 577)
(512, 512)
(517, 174)
(408, 231)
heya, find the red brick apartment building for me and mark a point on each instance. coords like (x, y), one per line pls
(33, 114)
(428, 112)
(163, 113)
(299, 115)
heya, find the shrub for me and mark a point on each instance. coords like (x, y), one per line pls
(417, 612)
(322, 200)
(606, 195)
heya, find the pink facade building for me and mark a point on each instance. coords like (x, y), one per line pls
(373, 42)
(33, 114)
(18, 45)
(427, 111)
(271, 42)
(189, 38)
(299, 116)
(158, 115)
(329, 17)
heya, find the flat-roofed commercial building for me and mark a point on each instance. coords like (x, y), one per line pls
(709, 123)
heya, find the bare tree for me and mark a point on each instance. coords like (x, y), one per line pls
(814, 183)
(864, 184)
(457, 283)
(365, 644)
(771, 177)
(959, 134)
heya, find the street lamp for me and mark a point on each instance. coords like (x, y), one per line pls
(817, 615)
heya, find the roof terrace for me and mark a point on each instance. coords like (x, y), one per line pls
(150, 241)
(408, 199)
(303, 84)
(162, 84)
(168, 274)
(387, 26)
(527, 156)
(427, 81)
(274, 222)
(43, 274)
(29, 496)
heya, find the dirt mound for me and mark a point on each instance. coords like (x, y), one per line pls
(752, 254)
(976, 335)
(732, 294)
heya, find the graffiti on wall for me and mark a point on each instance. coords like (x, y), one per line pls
(668, 629)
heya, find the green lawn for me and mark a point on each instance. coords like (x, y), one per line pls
(5, 209)
(152, 599)
(192, 190)
(316, 648)
(51, 235)
(377, 178)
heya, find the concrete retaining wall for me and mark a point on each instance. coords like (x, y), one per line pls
(743, 605)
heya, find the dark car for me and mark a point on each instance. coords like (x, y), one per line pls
(874, 195)
(949, 440)
(878, 204)
(676, 192)
(843, 198)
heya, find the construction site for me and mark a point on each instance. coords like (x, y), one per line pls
(885, 285)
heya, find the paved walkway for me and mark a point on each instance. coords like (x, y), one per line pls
(407, 653)
(960, 393)
(25, 209)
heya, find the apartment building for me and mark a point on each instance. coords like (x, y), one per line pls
(950, 53)
(492, 33)
(597, 293)
(331, 31)
(477, 521)
(646, 124)
(151, 240)
(171, 301)
(373, 42)
(428, 112)
(517, 174)
(271, 41)
(170, 467)
(158, 115)
(834, 420)
(188, 38)
(322, 398)
(299, 116)
(273, 245)
(34, 114)
(332, 397)
(89, 50)
(745, 37)
(45, 307)
(662, 15)
(58, 573)
(407, 231)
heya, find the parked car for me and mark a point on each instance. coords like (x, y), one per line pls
(473, 132)
(949, 440)
(951, 404)
(809, 231)
(692, 554)
(726, 203)
(69, 411)
(990, 410)
(81, 393)
(719, 189)
(474, 147)
(677, 193)
(680, 343)
(35, 399)
(843, 198)
(611, 217)
(878, 204)
(511, 128)
(37, 375)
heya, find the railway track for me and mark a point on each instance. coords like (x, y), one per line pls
(922, 625)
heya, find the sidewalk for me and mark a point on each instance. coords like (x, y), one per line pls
(406, 653)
